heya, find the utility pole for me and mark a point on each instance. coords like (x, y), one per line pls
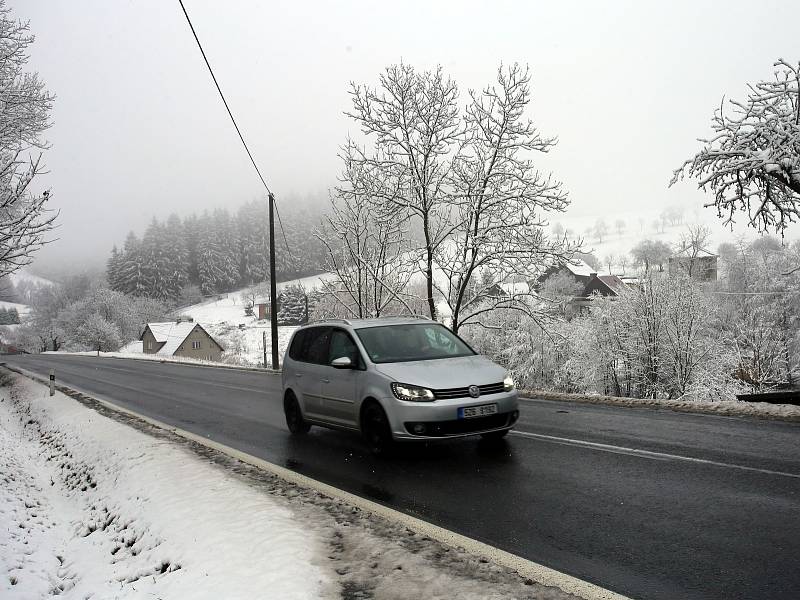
(273, 294)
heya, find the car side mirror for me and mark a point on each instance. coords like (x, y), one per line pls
(343, 362)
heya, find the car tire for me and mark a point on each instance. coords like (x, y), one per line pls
(294, 416)
(375, 429)
(494, 435)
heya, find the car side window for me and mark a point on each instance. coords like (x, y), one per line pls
(317, 345)
(297, 351)
(343, 345)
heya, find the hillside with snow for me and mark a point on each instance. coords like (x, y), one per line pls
(644, 225)
(244, 336)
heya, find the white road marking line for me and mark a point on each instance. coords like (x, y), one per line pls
(646, 453)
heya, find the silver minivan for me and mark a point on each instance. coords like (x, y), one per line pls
(394, 379)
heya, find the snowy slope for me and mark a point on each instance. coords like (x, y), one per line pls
(242, 336)
(23, 275)
(640, 226)
(22, 309)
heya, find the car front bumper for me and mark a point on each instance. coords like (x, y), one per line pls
(439, 419)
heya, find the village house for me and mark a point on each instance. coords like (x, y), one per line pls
(575, 269)
(588, 283)
(700, 265)
(598, 285)
(180, 338)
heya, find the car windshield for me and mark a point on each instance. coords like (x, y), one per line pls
(410, 342)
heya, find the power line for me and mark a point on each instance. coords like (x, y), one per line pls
(221, 95)
(778, 293)
(236, 126)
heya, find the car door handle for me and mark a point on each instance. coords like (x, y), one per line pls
(325, 380)
(298, 375)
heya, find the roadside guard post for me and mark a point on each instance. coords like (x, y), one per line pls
(52, 382)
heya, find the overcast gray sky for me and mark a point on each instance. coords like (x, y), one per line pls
(140, 131)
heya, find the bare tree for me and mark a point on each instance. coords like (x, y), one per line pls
(609, 262)
(413, 118)
(367, 249)
(692, 243)
(25, 107)
(620, 226)
(752, 163)
(649, 254)
(499, 200)
(255, 293)
(600, 229)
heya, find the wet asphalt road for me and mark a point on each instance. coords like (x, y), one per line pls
(647, 503)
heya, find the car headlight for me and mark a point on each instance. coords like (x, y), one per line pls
(508, 383)
(412, 393)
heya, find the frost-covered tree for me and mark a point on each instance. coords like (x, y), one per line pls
(656, 341)
(758, 307)
(131, 276)
(107, 315)
(752, 162)
(176, 258)
(649, 254)
(499, 202)
(609, 261)
(209, 259)
(294, 306)
(253, 243)
(620, 226)
(25, 107)
(113, 270)
(368, 248)
(413, 119)
(154, 262)
(98, 334)
(693, 241)
(600, 229)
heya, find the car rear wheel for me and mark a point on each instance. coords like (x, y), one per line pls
(294, 417)
(375, 428)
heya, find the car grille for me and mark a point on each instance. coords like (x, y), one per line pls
(462, 426)
(463, 392)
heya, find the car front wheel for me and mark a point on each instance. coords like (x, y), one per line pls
(375, 428)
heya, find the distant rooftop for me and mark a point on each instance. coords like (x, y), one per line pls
(579, 267)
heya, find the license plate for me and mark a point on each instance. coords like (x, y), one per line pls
(470, 412)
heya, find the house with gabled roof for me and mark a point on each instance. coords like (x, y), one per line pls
(697, 263)
(598, 285)
(577, 269)
(180, 338)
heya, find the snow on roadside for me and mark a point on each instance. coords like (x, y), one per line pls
(92, 508)
(731, 408)
(99, 507)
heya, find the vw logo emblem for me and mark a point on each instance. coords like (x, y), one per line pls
(474, 391)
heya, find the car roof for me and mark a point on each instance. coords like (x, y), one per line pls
(376, 322)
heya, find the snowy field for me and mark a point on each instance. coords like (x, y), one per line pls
(93, 508)
(639, 226)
